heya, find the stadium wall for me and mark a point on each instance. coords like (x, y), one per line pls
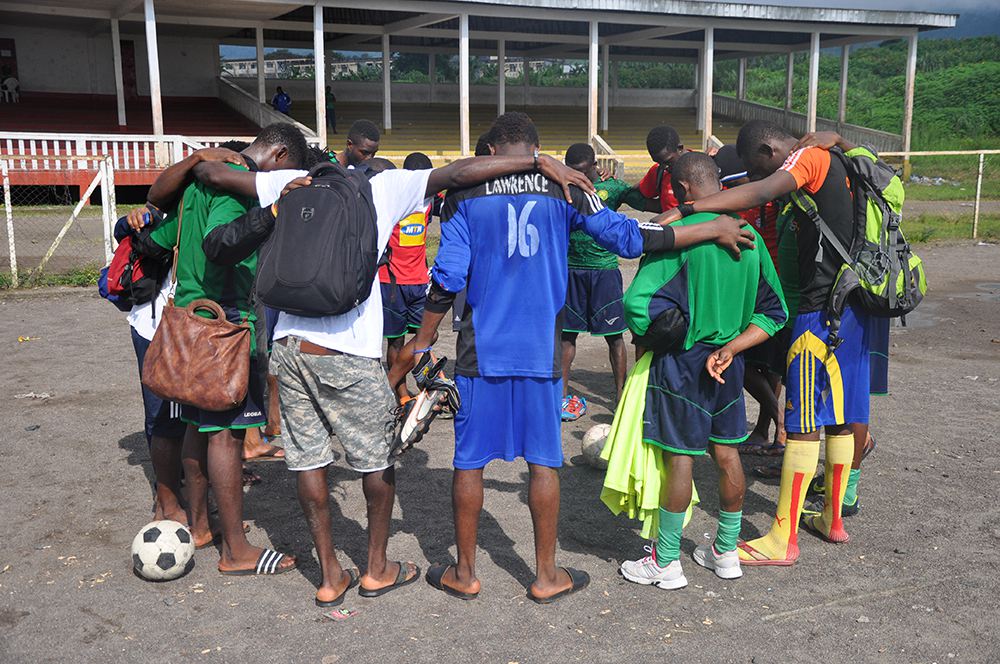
(58, 60)
(301, 91)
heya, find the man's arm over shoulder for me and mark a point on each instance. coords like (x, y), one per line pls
(614, 231)
(233, 242)
(159, 242)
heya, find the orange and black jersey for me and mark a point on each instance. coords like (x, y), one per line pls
(825, 180)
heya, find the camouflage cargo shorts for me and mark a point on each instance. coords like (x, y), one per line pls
(343, 395)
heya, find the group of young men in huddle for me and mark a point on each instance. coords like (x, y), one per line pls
(531, 245)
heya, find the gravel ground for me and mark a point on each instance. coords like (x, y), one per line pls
(914, 583)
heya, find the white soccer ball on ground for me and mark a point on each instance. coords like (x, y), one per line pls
(593, 444)
(162, 550)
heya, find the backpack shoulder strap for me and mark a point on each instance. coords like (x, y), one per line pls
(805, 203)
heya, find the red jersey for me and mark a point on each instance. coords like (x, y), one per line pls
(767, 227)
(647, 187)
(408, 247)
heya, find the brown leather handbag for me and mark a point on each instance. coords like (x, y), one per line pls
(198, 361)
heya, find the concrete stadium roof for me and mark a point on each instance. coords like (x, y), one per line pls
(640, 29)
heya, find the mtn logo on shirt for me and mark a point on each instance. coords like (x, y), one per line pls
(602, 194)
(412, 230)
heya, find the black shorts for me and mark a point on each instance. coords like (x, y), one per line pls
(686, 409)
(769, 355)
(594, 303)
(402, 308)
(162, 418)
(251, 414)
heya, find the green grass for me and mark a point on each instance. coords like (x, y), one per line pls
(961, 171)
(928, 228)
(79, 276)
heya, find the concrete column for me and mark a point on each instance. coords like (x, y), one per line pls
(699, 74)
(153, 58)
(386, 85)
(501, 77)
(431, 75)
(319, 73)
(789, 80)
(911, 75)
(707, 79)
(605, 76)
(741, 80)
(116, 54)
(813, 82)
(261, 86)
(592, 83)
(525, 80)
(845, 55)
(463, 83)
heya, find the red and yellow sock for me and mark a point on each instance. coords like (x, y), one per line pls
(839, 455)
(780, 545)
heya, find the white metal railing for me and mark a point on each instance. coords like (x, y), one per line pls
(259, 113)
(745, 111)
(56, 151)
(607, 158)
(52, 151)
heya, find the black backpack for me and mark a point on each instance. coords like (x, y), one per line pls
(322, 257)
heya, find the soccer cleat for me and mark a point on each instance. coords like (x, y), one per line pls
(646, 572)
(573, 408)
(816, 508)
(725, 565)
(414, 416)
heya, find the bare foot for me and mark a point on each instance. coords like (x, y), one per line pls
(328, 593)
(468, 585)
(247, 560)
(561, 582)
(387, 577)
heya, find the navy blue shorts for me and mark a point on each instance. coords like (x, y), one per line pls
(162, 418)
(824, 388)
(878, 353)
(402, 308)
(594, 303)
(506, 418)
(250, 415)
(686, 409)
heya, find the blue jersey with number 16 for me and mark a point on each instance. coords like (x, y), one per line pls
(507, 241)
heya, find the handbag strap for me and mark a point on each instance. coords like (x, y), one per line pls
(177, 247)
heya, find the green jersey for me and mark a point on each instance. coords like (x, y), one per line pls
(719, 294)
(584, 252)
(200, 210)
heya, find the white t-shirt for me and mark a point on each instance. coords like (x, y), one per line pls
(359, 331)
(146, 316)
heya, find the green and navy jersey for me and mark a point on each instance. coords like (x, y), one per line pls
(202, 209)
(718, 293)
(584, 252)
(507, 242)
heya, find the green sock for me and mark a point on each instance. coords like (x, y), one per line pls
(668, 537)
(729, 530)
(851, 495)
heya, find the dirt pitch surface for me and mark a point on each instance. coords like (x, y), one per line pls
(916, 583)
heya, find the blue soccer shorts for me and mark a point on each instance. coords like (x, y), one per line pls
(686, 409)
(824, 387)
(506, 418)
(594, 303)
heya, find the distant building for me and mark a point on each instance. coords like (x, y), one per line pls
(294, 67)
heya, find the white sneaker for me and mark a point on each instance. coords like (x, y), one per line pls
(725, 565)
(646, 572)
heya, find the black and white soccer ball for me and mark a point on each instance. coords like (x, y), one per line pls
(162, 551)
(593, 444)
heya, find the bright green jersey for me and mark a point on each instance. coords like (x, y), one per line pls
(718, 293)
(584, 252)
(201, 210)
